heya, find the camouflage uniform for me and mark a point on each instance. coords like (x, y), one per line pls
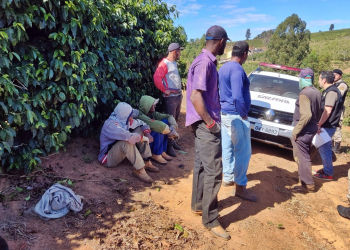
(343, 88)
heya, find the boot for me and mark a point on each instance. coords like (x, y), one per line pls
(336, 148)
(220, 232)
(159, 159)
(176, 146)
(242, 192)
(305, 188)
(166, 157)
(142, 175)
(149, 167)
(170, 149)
(344, 211)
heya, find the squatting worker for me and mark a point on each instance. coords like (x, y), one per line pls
(122, 137)
(167, 79)
(203, 114)
(235, 127)
(307, 113)
(331, 106)
(343, 88)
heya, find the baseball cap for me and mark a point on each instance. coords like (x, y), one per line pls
(338, 71)
(240, 46)
(304, 72)
(174, 46)
(216, 32)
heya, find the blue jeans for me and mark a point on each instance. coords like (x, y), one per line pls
(236, 148)
(326, 153)
(160, 142)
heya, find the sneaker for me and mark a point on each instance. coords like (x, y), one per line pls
(323, 176)
(320, 171)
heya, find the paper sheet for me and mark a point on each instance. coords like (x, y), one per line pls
(321, 138)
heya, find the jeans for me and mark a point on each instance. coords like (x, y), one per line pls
(207, 174)
(173, 105)
(326, 153)
(236, 148)
(160, 142)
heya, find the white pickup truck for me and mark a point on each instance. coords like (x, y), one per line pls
(273, 97)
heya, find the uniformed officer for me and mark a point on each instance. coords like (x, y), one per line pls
(343, 88)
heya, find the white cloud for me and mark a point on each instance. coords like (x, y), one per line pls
(185, 7)
(243, 18)
(326, 22)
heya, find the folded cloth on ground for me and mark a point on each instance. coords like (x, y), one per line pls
(57, 201)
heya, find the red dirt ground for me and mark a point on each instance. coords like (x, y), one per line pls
(129, 214)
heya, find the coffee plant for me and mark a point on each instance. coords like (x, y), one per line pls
(65, 64)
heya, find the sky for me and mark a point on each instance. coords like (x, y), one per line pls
(236, 16)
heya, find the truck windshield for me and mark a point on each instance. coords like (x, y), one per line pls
(274, 86)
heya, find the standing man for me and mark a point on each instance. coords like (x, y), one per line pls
(235, 127)
(343, 88)
(167, 79)
(203, 114)
(306, 115)
(331, 106)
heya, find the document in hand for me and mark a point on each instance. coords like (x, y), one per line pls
(321, 138)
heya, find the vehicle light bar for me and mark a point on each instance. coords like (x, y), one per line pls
(276, 66)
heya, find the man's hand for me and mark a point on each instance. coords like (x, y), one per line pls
(214, 128)
(294, 137)
(150, 138)
(173, 134)
(245, 118)
(168, 91)
(319, 129)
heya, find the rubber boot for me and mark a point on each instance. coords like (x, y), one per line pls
(176, 146)
(336, 148)
(242, 192)
(142, 175)
(170, 149)
(344, 211)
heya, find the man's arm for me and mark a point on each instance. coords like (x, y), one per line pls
(305, 115)
(237, 88)
(326, 113)
(199, 105)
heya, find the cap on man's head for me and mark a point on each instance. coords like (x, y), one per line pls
(338, 71)
(174, 46)
(306, 73)
(240, 46)
(216, 32)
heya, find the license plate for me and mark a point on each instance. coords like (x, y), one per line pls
(266, 129)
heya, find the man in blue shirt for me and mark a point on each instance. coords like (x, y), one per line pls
(235, 126)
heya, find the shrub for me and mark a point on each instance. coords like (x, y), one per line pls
(76, 59)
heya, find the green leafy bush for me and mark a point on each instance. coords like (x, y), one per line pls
(76, 60)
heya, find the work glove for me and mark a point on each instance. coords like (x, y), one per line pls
(166, 130)
(173, 134)
(172, 122)
(214, 128)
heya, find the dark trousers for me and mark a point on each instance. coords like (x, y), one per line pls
(207, 174)
(173, 105)
(302, 150)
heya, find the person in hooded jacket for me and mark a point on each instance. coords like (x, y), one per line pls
(122, 137)
(163, 127)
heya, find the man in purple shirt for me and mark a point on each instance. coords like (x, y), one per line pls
(203, 114)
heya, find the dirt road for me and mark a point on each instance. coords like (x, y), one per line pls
(121, 212)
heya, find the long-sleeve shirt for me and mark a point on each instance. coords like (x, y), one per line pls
(307, 111)
(167, 77)
(234, 89)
